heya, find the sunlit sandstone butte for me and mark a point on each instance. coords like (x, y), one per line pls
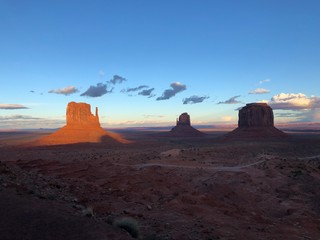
(256, 121)
(82, 126)
(184, 128)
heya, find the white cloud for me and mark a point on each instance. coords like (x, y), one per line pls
(259, 91)
(294, 101)
(296, 106)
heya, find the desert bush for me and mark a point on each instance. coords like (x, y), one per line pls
(128, 224)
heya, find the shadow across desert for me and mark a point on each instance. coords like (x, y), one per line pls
(166, 187)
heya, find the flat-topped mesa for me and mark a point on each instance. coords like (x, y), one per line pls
(79, 115)
(256, 115)
(184, 120)
(256, 121)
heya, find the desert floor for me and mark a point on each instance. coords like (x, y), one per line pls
(200, 188)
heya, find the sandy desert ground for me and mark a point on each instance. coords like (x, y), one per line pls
(196, 188)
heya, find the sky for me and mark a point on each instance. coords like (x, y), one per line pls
(143, 63)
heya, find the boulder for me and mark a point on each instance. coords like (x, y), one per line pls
(82, 126)
(256, 121)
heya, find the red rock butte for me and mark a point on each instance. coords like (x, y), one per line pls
(256, 121)
(184, 128)
(82, 126)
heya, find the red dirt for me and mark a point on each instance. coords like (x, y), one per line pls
(180, 189)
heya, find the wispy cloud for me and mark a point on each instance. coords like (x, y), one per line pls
(231, 100)
(147, 92)
(102, 73)
(259, 91)
(194, 99)
(176, 87)
(153, 116)
(65, 91)
(264, 81)
(128, 90)
(117, 79)
(96, 91)
(6, 106)
(17, 117)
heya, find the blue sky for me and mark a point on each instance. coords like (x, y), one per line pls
(215, 56)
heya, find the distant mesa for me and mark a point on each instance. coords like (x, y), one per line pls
(184, 128)
(256, 121)
(82, 126)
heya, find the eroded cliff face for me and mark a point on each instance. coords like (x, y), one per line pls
(256, 115)
(256, 121)
(79, 115)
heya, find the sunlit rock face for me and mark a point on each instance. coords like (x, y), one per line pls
(256, 121)
(184, 128)
(256, 115)
(82, 126)
(79, 115)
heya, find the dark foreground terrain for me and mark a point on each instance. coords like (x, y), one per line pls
(201, 188)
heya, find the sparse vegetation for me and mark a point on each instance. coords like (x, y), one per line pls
(128, 224)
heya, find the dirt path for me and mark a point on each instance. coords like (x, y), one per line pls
(218, 169)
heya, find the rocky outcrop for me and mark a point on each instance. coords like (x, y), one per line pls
(184, 128)
(184, 120)
(256, 115)
(82, 126)
(256, 121)
(79, 115)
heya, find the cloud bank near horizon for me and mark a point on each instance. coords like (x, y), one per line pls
(294, 101)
